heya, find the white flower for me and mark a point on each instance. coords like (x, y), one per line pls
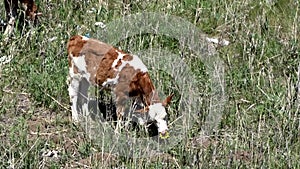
(100, 24)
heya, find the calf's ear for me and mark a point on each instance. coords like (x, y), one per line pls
(167, 101)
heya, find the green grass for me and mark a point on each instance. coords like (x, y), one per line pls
(260, 123)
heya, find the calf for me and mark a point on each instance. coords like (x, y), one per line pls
(11, 8)
(102, 65)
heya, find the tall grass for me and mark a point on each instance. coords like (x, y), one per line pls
(260, 123)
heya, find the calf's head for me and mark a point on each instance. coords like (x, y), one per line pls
(157, 112)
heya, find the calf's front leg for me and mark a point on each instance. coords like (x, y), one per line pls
(73, 93)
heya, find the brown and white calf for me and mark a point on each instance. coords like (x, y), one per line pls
(109, 68)
(12, 7)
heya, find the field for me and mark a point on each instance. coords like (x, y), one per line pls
(248, 90)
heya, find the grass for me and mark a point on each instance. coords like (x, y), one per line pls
(260, 122)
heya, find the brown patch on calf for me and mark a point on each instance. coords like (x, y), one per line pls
(119, 63)
(75, 45)
(127, 58)
(74, 48)
(143, 84)
(123, 89)
(134, 83)
(94, 52)
(105, 70)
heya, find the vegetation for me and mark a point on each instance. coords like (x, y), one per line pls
(260, 125)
